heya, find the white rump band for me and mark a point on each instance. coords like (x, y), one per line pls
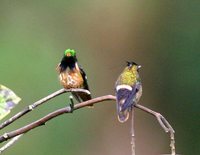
(123, 86)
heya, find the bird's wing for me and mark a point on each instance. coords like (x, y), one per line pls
(83, 96)
(85, 84)
(130, 100)
(122, 93)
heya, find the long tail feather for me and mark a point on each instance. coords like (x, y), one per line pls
(123, 116)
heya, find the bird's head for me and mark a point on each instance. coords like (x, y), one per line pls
(70, 53)
(133, 65)
(69, 59)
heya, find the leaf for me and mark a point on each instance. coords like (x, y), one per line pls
(8, 100)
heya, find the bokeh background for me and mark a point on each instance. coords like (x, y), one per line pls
(162, 36)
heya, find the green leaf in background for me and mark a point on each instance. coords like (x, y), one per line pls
(8, 100)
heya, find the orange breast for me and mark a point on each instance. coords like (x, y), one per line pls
(71, 79)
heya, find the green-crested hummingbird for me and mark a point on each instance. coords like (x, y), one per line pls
(71, 75)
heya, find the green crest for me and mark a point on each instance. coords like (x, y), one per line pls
(70, 52)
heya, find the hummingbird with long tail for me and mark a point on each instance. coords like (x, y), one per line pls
(128, 88)
(71, 75)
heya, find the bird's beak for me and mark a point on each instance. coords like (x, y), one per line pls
(68, 54)
(139, 66)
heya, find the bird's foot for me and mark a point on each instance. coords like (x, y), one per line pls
(71, 104)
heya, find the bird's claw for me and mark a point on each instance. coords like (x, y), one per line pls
(71, 104)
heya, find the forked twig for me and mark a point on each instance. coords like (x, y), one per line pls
(36, 104)
(29, 109)
(52, 115)
(10, 143)
(163, 123)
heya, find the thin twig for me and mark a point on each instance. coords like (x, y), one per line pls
(10, 143)
(52, 115)
(163, 123)
(30, 108)
(36, 104)
(132, 133)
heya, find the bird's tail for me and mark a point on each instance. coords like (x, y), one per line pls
(123, 116)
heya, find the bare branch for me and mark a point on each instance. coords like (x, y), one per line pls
(132, 133)
(163, 123)
(52, 115)
(36, 104)
(10, 143)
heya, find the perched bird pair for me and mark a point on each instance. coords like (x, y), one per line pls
(128, 86)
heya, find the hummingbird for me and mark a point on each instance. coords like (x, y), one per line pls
(128, 89)
(71, 75)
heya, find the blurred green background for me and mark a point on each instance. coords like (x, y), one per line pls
(162, 36)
